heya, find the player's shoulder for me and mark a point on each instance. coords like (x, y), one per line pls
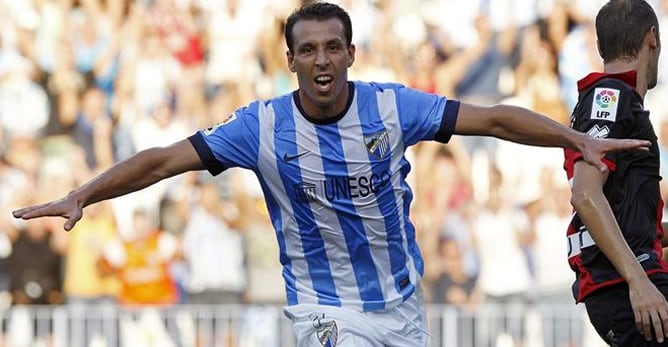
(276, 102)
(600, 100)
(373, 87)
(390, 91)
(602, 84)
(611, 84)
(257, 107)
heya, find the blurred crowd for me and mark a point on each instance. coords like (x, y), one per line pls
(86, 83)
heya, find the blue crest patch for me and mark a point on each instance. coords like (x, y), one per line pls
(326, 330)
(378, 144)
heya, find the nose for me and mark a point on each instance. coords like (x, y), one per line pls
(321, 59)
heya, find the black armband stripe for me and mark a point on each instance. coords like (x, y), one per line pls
(448, 121)
(205, 155)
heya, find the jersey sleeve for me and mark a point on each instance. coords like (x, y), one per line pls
(604, 112)
(425, 116)
(234, 142)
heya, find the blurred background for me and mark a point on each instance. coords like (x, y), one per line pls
(193, 261)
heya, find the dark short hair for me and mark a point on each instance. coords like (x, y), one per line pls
(318, 11)
(621, 26)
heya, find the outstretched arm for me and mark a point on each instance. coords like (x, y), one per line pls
(649, 305)
(137, 172)
(524, 126)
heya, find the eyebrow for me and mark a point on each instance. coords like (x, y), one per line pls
(336, 40)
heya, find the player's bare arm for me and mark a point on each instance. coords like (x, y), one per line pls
(649, 305)
(524, 126)
(137, 172)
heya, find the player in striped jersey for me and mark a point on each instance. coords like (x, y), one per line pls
(330, 160)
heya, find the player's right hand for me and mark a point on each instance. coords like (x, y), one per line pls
(650, 309)
(593, 149)
(67, 207)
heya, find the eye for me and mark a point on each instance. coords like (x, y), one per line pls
(333, 47)
(307, 49)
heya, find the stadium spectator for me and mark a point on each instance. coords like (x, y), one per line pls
(141, 261)
(505, 277)
(36, 280)
(213, 248)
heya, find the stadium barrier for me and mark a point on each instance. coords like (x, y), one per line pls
(265, 326)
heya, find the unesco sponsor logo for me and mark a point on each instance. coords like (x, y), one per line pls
(342, 187)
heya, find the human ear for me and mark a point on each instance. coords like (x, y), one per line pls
(291, 60)
(351, 55)
(653, 37)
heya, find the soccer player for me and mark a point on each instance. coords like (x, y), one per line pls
(615, 236)
(330, 160)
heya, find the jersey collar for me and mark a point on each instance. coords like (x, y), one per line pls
(628, 77)
(349, 102)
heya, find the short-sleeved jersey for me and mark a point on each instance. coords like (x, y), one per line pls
(336, 191)
(608, 106)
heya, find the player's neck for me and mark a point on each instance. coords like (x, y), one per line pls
(621, 66)
(325, 113)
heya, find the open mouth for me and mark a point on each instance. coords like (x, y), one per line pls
(324, 83)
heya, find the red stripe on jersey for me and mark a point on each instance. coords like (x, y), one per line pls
(572, 156)
(658, 249)
(586, 284)
(628, 77)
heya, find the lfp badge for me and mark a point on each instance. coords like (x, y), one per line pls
(604, 105)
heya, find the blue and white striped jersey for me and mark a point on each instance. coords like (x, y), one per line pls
(336, 191)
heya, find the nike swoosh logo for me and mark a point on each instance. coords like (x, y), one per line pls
(287, 157)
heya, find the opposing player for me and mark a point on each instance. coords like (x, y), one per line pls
(615, 236)
(330, 160)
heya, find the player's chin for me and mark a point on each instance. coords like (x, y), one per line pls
(324, 101)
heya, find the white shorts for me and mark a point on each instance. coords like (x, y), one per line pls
(330, 326)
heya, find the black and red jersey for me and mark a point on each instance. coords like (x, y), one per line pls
(608, 106)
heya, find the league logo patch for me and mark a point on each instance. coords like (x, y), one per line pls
(597, 131)
(378, 144)
(227, 120)
(230, 117)
(326, 330)
(604, 105)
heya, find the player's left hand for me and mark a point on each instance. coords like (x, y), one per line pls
(594, 149)
(650, 310)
